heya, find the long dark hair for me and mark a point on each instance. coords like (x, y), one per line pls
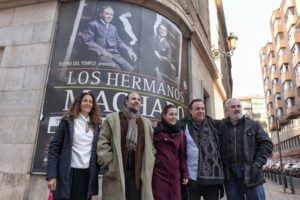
(95, 119)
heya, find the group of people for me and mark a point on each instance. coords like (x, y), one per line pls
(178, 159)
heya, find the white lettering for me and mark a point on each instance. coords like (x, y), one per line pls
(136, 82)
(115, 100)
(125, 79)
(96, 76)
(101, 96)
(83, 77)
(70, 79)
(156, 108)
(110, 78)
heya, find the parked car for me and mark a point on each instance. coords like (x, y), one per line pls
(276, 168)
(267, 167)
(295, 170)
(286, 167)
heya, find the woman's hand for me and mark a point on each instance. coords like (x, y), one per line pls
(52, 184)
(185, 181)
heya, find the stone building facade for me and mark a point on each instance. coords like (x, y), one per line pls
(27, 34)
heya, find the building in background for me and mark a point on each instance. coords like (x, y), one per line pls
(280, 65)
(255, 108)
(41, 71)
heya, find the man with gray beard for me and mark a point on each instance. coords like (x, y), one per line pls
(245, 147)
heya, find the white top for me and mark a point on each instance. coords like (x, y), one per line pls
(82, 143)
(192, 155)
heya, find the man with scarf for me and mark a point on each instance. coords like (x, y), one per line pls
(203, 156)
(126, 152)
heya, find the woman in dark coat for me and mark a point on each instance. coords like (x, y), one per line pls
(170, 169)
(72, 171)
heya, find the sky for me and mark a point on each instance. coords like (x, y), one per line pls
(250, 21)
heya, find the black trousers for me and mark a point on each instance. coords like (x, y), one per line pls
(196, 190)
(130, 189)
(80, 184)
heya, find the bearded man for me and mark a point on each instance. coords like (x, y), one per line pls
(245, 147)
(125, 150)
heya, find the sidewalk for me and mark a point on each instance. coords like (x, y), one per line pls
(274, 191)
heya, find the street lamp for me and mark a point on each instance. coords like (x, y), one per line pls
(279, 151)
(231, 43)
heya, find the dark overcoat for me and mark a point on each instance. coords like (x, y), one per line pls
(59, 160)
(170, 166)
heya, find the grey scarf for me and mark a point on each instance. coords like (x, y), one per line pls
(132, 131)
(210, 169)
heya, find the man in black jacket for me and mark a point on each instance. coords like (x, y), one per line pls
(245, 147)
(203, 156)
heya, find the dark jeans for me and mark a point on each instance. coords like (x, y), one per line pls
(130, 188)
(196, 190)
(237, 190)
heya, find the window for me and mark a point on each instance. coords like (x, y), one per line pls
(271, 119)
(290, 102)
(287, 84)
(297, 69)
(266, 80)
(292, 31)
(284, 68)
(270, 106)
(271, 55)
(273, 68)
(277, 22)
(289, 13)
(278, 37)
(268, 93)
(275, 82)
(265, 69)
(281, 52)
(263, 56)
(279, 112)
(298, 91)
(1, 54)
(295, 49)
(294, 142)
(277, 97)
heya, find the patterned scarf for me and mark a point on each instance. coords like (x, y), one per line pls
(132, 131)
(210, 169)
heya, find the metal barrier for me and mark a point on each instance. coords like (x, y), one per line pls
(288, 181)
